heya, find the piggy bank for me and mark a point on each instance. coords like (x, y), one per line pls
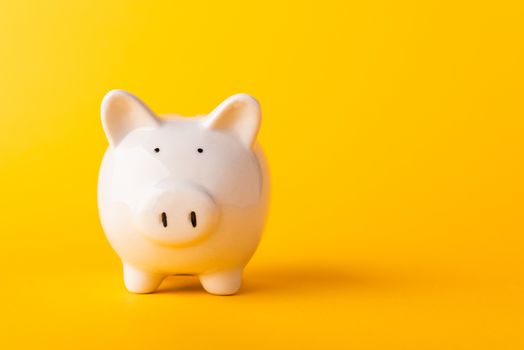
(179, 195)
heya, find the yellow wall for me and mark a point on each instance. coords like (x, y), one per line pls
(394, 131)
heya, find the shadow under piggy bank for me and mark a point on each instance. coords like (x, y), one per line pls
(297, 279)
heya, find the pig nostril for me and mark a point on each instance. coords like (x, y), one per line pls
(164, 219)
(193, 219)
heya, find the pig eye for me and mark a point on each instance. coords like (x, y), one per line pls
(157, 150)
(200, 150)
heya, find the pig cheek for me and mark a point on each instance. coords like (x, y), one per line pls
(135, 172)
(238, 183)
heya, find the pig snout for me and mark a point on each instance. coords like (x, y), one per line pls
(177, 214)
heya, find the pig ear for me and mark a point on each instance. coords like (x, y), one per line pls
(121, 113)
(239, 114)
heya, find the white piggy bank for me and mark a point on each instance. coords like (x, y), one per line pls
(182, 195)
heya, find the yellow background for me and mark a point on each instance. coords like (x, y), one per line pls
(394, 131)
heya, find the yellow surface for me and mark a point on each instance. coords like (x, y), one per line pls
(395, 135)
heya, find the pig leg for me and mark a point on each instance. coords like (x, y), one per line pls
(137, 281)
(222, 282)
